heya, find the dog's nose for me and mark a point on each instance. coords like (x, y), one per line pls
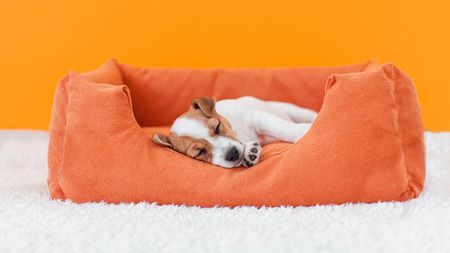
(232, 154)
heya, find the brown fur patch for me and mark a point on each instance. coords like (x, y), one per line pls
(191, 147)
(212, 122)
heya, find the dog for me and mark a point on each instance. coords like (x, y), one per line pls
(229, 133)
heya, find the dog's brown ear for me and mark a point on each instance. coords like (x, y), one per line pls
(162, 140)
(206, 105)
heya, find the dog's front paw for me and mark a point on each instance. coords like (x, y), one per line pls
(252, 153)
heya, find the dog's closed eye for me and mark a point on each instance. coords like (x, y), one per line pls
(217, 130)
(201, 152)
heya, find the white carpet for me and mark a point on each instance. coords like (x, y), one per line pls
(30, 222)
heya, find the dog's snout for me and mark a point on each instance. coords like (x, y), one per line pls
(232, 154)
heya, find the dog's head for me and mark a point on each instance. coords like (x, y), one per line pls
(203, 134)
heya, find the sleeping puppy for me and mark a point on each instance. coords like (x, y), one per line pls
(230, 133)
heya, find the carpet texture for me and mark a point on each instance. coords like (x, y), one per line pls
(30, 222)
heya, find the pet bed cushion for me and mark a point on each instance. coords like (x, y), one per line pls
(365, 146)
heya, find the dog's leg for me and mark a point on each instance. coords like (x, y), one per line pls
(252, 153)
(277, 128)
(296, 113)
(283, 110)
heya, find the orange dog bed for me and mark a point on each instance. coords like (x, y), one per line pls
(365, 146)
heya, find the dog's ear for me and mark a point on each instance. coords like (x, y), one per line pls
(206, 105)
(162, 140)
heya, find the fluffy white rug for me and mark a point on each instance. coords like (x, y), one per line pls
(30, 222)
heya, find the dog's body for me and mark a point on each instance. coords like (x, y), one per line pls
(265, 122)
(230, 133)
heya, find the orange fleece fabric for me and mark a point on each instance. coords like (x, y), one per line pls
(365, 146)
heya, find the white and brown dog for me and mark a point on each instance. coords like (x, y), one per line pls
(230, 133)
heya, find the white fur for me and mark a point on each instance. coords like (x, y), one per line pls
(256, 120)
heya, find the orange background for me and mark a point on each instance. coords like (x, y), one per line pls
(42, 40)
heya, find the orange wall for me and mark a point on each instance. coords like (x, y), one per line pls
(41, 40)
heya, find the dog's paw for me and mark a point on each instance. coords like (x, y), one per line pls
(252, 153)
